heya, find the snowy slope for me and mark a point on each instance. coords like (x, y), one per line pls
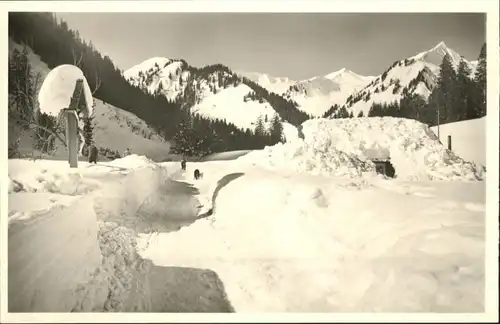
(159, 74)
(468, 138)
(115, 129)
(415, 75)
(118, 129)
(228, 105)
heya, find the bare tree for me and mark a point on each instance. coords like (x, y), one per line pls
(97, 84)
(76, 61)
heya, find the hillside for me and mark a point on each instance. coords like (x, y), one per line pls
(414, 75)
(213, 92)
(115, 129)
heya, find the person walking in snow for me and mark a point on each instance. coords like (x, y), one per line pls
(127, 152)
(93, 152)
(183, 164)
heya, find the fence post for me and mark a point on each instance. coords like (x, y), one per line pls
(449, 142)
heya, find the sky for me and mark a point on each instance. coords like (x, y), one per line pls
(294, 45)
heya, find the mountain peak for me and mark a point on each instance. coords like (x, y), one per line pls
(337, 73)
(441, 44)
(435, 55)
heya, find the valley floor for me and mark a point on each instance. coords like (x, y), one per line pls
(246, 239)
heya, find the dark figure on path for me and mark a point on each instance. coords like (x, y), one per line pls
(197, 174)
(183, 164)
(93, 154)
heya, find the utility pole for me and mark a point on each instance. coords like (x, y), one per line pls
(439, 137)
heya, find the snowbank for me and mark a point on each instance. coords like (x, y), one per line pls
(79, 255)
(51, 257)
(312, 244)
(344, 147)
(468, 138)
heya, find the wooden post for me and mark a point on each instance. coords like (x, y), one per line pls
(72, 138)
(72, 125)
(449, 142)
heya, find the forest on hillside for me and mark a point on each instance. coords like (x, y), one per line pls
(56, 44)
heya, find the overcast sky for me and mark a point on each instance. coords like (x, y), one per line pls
(297, 46)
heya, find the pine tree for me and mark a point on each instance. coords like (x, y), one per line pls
(276, 129)
(443, 96)
(463, 92)
(259, 127)
(480, 80)
(88, 130)
(342, 112)
(360, 114)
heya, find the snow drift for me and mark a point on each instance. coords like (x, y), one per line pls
(80, 254)
(345, 147)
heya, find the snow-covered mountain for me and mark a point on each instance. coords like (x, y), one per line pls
(160, 75)
(114, 129)
(212, 91)
(414, 75)
(316, 95)
(278, 85)
(217, 92)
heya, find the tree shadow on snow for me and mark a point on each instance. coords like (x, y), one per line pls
(186, 290)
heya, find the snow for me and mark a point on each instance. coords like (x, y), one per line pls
(57, 90)
(229, 105)
(158, 71)
(436, 54)
(290, 132)
(146, 65)
(58, 87)
(468, 139)
(344, 147)
(305, 243)
(347, 74)
(278, 85)
(304, 238)
(71, 251)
